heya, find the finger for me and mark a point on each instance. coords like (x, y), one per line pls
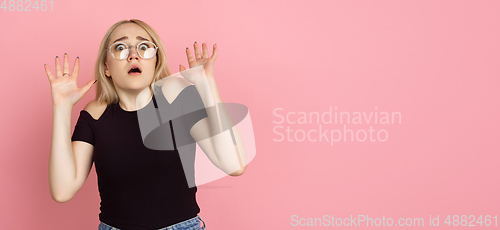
(197, 52)
(189, 55)
(47, 71)
(205, 50)
(76, 67)
(181, 68)
(58, 67)
(66, 63)
(87, 86)
(214, 53)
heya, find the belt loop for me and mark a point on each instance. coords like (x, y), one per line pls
(204, 226)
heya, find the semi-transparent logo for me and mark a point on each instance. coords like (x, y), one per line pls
(224, 130)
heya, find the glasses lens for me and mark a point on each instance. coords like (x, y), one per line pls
(147, 50)
(119, 51)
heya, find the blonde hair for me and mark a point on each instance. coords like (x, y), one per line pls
(105, 89)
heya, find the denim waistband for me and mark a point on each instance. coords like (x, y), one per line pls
(187, 224)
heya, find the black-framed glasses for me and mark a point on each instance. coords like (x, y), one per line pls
(145, 49)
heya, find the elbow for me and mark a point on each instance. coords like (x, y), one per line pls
(239, 172)
(60, 199)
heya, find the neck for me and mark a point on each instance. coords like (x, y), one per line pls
(133, 100)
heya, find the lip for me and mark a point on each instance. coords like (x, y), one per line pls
(134, 66)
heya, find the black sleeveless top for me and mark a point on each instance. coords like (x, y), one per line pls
(141, 187)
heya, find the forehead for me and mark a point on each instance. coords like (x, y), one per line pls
(130, 30)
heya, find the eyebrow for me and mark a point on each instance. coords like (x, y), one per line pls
(125, 37)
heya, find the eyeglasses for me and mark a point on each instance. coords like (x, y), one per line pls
(120, 50)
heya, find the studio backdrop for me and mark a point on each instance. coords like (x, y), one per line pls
(363, 114)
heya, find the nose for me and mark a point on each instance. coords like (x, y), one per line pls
(133, 54)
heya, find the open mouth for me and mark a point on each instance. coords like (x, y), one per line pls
(134, 70)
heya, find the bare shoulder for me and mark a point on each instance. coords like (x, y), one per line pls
(95, 108)
(173, 85)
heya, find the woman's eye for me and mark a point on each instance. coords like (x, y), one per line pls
(144, 47)
(120, 47)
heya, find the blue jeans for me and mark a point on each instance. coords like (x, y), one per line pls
(191, 224)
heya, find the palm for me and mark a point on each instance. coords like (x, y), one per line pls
(201, 58)
(64, 87)
(208, 65)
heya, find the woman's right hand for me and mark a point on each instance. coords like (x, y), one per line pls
(65, 91)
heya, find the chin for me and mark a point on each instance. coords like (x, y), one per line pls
(133, 85)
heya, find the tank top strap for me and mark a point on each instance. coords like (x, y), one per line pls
(161, 122)
(173, 136)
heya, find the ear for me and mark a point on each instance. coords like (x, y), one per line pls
(106, 71)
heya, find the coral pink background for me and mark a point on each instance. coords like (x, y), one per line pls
(435, 62)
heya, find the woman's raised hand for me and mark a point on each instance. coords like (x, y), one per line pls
(65, 91)
(201, 58)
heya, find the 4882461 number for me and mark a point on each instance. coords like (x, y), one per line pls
(21, 5)
(471, 220)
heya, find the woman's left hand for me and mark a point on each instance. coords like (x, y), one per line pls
(201, 58)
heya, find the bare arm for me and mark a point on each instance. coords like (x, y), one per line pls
(65, 170)
(69, 162)
(225, 149)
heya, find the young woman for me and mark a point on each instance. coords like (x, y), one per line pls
(141, 187)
